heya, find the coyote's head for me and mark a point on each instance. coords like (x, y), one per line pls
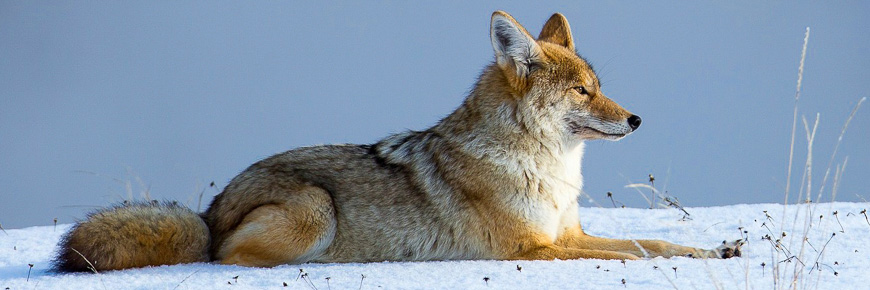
(556, 90)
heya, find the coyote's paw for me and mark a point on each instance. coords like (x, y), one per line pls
(725, 251)
(728, 250)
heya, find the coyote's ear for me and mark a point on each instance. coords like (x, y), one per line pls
(557, 31)
(514, 46)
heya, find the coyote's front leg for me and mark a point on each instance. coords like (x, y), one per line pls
(575, 238)
(550, 252)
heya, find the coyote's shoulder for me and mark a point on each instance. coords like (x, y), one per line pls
(498, 178)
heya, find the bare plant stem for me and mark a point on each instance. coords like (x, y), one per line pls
(776, 267)
(797, 96)
(94, 269)
(185, 279)
(837, 146)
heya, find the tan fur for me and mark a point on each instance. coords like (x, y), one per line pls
(557, 31)
(258, 239)
(134, 235)
(498, 178)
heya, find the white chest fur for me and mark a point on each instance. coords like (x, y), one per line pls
(553, 192)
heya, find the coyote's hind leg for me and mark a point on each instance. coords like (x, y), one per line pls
(295, 231)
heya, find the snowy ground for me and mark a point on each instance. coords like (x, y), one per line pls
(840, 262)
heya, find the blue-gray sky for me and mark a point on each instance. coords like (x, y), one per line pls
(171, 96)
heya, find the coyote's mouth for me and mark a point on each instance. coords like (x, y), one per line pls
(607, 135)
(587, 132)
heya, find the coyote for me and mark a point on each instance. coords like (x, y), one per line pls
(499, 178)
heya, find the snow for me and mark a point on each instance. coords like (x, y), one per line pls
(846, 254)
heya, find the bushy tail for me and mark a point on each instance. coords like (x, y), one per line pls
(134, 235)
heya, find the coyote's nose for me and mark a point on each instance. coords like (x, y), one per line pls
(634, 122)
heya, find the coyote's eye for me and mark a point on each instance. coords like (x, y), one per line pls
(581, 90)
